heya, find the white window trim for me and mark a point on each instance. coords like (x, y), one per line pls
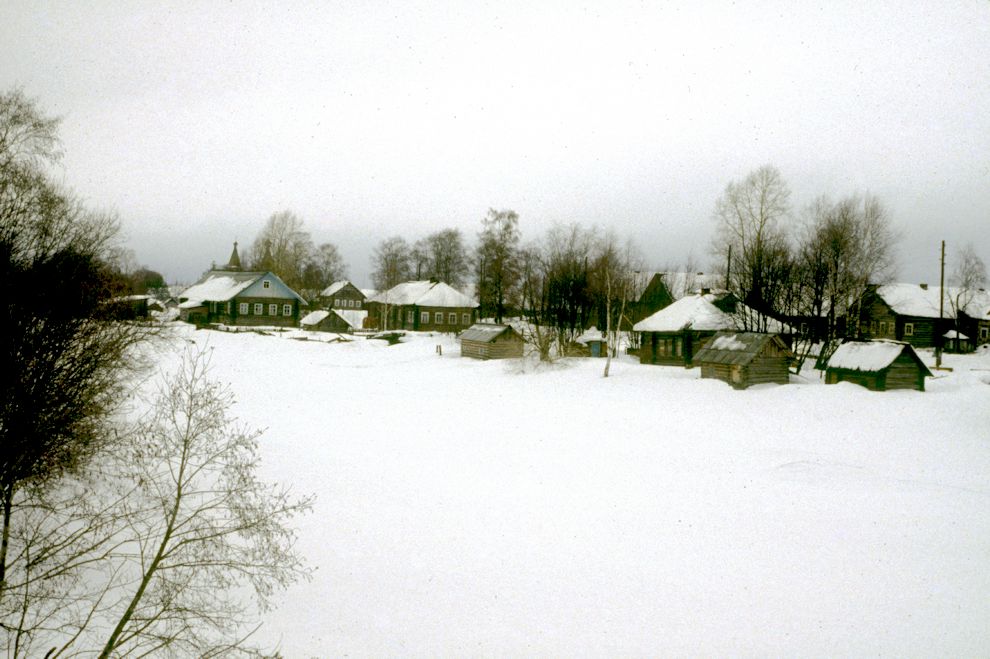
(244, 308)
(438, 318)
(286, 309)
(259, 309)
(424, 317)
(273, 309)
(908, 329)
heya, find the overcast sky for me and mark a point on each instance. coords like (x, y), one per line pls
(196, 121)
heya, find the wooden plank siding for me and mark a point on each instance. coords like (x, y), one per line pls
(500, 348)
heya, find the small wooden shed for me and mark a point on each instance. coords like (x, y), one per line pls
(877, 365)
(595, 340)
(742, 359)
(491, 341)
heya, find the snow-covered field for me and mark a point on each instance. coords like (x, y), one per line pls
(471, 508)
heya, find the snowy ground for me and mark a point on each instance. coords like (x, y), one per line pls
(471, 508)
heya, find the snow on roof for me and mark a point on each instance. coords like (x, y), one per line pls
(868, 356)
(954, 334)
(728, 342)
(368, 292)
(913, 300)
(314, 317)
(218, 286)
(591, 334)
(679, 284)
(334, 287)
(353, 317)
(484, 332)
(736, 347)
(424, 294)
(695, 311)
(698, 312)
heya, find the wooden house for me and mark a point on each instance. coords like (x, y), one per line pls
(230, 296)
(342, 295)
(421, 305)
(490, 341)
(877, 365)
(743, 359)
(674, 334)
(334, 320)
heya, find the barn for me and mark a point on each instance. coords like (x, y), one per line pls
(490, 341)
(742, 359)
(877, 365)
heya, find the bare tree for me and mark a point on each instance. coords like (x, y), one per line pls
(64, 360)
(284, 247)
(750, 238)
(324, 267)
(154, 550)
(497, 262)
(969, 276)
(613, 278)
(390, 263)
(204, 527)
(447, 259)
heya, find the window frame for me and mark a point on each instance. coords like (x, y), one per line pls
(273, 308)
(244, 309)
(424, 317)
(259, 309)
(908, 329)
(438, 318)
(286, 309)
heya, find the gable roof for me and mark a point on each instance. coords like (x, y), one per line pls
(737, 347)
(678, 284)
(337, 286)
(353, 317)
(698, 312)
(485, 332)
(913, 300)
(872, 356)
(314, 317)
(222, 286)
(424, 294)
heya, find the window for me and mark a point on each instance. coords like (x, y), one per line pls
(336, 302)
(984, 333)
(410, 316)
(266, 284)
(438, 318)
(424, 317)
(258, 308)
(243, 308)
(873, 328)
(272, 309)
(466, 319)
(883, 328)
(452, 319)
(908, 329)
(286, 309)
(677, 347)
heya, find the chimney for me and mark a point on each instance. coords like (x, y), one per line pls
(924, 287)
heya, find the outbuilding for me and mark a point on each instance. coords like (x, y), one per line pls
(877, 365)
(491, 341)
(742, 359)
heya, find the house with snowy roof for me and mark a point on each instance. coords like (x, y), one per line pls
(342, 295)
(743, 359)
(926, 316)
(421, 305)
(231, 296)
(877, 365)
(491, 341)
(334, 320)
(674, 334)
(652, 291)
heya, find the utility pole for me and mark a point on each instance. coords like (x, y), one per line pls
(941, 309)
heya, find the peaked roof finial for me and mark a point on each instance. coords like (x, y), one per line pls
(235, 260)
